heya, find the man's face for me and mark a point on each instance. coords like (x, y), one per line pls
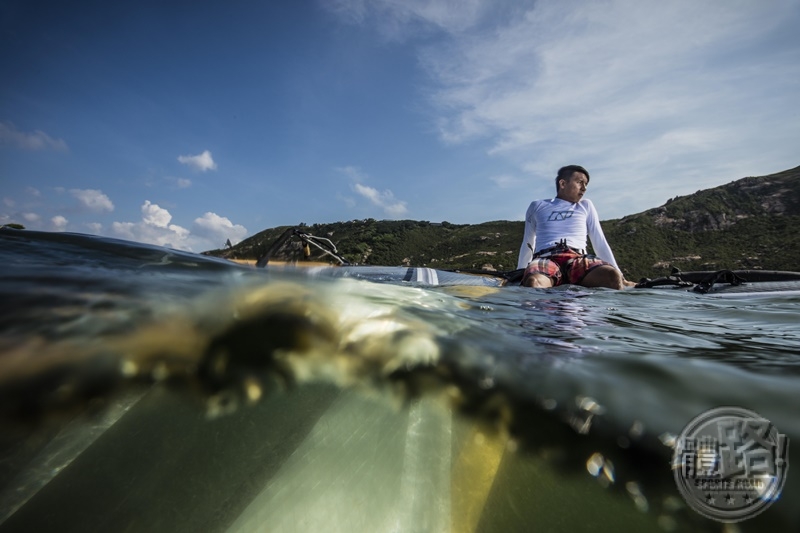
(573, 188)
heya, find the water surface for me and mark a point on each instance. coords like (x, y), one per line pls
(146, 389)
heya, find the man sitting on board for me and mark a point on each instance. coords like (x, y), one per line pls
(554, 247)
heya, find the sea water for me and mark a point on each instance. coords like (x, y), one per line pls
(146, 389)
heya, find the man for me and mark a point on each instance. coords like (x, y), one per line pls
(554, 247)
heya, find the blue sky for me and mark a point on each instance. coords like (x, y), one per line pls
(187, 123)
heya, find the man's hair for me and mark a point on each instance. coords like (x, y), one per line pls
(564, 173)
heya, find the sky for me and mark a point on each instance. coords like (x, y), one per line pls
(188, 123)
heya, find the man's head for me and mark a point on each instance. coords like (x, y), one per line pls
(571, 182)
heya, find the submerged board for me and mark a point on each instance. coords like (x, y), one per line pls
(319, 459)
(426, 277)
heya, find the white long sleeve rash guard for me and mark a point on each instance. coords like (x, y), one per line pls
(548, 222)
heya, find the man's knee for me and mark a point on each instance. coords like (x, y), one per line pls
(537, 281)
(604, 276)
(615, 279)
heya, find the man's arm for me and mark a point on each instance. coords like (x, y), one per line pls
(525, 251)
(598, 238)
(600, 244)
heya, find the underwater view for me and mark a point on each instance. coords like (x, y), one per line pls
(147, 389)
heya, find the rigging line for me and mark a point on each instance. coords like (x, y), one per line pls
(305, 238)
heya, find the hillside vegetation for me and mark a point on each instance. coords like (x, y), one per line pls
(750, 223)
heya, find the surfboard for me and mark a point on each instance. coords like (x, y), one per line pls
(739, 283)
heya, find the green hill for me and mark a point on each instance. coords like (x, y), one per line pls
(402, 242)
(749, 223)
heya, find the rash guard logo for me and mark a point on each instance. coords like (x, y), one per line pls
(560, 215)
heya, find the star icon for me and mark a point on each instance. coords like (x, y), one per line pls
(730, 500)
(748, 499)
(710, 499)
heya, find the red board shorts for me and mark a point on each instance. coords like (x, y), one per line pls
(562, 267)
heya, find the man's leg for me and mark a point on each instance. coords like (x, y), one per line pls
(541, 274)
(604, 276)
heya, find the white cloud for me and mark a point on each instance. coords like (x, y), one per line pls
(33, 191)
(383, 199)
(208, 232)
(9, 202)
(92, 199)
(218, 229)
(126, 230)
(154, 228)
(201, 162)
(563, 74)
(399, 20)
(38, 140)
(504, 181)
(660, 98)
(31, 217)
(154, 215)
(94, 227)
(349, 201)
(59, 223)
(180, 183)
(354, 173)
(639, 92)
